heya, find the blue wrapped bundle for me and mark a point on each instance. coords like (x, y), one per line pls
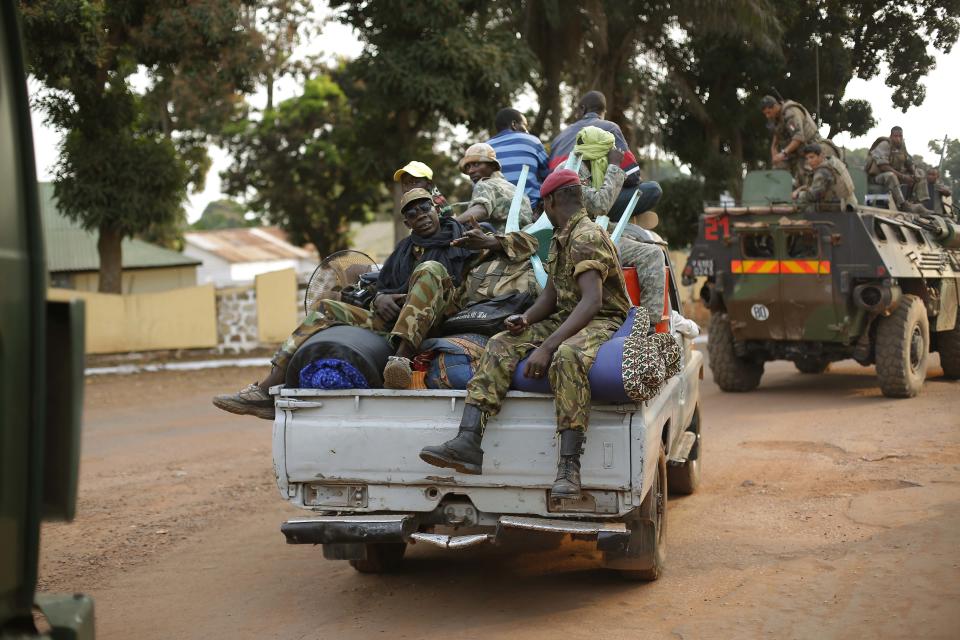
(331, 373)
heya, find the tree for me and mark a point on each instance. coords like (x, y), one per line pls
(129, 156)
(452, 61)
(296, 166)
(679, 210)
(223, 214)
(709, 107)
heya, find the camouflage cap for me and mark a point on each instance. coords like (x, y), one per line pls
(412, 196)
(479, 152)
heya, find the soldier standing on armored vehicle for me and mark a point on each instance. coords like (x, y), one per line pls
(890, 165)
(793, 128)
(830, 182)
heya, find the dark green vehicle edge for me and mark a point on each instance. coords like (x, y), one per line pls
(41, 377)
(878, 286)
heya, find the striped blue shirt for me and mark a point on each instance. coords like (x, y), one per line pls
(515, 149)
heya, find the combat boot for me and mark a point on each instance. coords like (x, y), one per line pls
(462, 453)
(567, 484)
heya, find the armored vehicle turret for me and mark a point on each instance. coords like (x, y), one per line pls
(879, 286)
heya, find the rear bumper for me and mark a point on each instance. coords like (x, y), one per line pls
(610, 536)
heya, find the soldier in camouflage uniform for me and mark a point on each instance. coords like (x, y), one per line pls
(584, 303)
(492, 193)
(793, 127)
(406, 319)
(830, 182)
(890, 166)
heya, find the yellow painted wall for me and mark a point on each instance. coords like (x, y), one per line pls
(276, 304)
(142, 280)
(178, 319)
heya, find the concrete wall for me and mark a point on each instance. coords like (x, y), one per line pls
(276, 298)
(179, 319)
(140, 280)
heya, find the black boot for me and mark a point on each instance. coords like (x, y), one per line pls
(462, 453)
(567, 484)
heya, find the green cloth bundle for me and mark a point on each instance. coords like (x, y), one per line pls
(593, 144)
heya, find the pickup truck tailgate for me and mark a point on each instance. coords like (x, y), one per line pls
(375, 436)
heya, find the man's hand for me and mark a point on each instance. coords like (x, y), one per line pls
(615, 156)
(475, 239)
(780, 158)
(538, 363)
(388, 305)
(516, 323)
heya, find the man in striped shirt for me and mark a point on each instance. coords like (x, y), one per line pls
(515, 148)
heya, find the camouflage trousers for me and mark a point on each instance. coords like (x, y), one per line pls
(567, 373)
(891, 182)
(648, 259)
(429, 301)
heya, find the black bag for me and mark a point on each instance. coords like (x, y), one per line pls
(486, 318)
(362, 348)
(362, 293)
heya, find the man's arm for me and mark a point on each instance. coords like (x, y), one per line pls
(591, 299)
(598, 202)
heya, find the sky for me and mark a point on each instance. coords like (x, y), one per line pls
(931, 120)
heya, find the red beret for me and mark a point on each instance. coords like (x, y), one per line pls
(557, 180)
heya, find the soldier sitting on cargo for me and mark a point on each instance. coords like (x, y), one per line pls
(830, 182)
(891, 166)
(582, 306)
(492, 193)
(425, 280)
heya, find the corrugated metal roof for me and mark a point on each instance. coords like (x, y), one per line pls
(248, 244)
(71, 248)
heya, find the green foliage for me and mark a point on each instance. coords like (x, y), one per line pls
(708, 105)
(951, 158)
(296, 166)
(129, 155)
(223, 214)
(679, 210)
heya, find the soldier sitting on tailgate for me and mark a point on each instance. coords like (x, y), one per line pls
(583, 304)
(829, 184)
(424, 281)
(891, 166)
(492, 193)
(793, 128)
(931, 192)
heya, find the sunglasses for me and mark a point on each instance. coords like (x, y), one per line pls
(412, 212)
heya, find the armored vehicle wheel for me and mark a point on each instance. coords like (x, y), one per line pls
(683, 479)
(730, 372)
(648, 533)
(903, 342)
(385, 557)
(948, 344)
(811, 365)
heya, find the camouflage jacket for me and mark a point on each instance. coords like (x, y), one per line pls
(579, 247)
(598, 202)
(831, 181)
(795, 123)
(883, 152)
(495, 194)
(506, 270)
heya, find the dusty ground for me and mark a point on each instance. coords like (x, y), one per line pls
(826, 511)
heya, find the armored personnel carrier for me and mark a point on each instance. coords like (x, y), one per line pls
(875, 285)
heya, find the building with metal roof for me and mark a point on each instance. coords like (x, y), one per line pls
(74, 263)
(237, 256)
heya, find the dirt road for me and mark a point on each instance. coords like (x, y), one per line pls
(826, 511)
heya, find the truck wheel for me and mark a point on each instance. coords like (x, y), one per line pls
(948, 344)
(730, 372)
(903, 342)
(648, 533)
(683, 479)
(384, 557)
(811, 365)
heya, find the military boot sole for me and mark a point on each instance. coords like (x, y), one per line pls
(441, 458)
(565, 493)
(242, 407)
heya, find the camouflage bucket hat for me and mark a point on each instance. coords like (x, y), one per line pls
(479, 152)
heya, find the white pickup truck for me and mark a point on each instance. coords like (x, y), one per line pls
(351, 458)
